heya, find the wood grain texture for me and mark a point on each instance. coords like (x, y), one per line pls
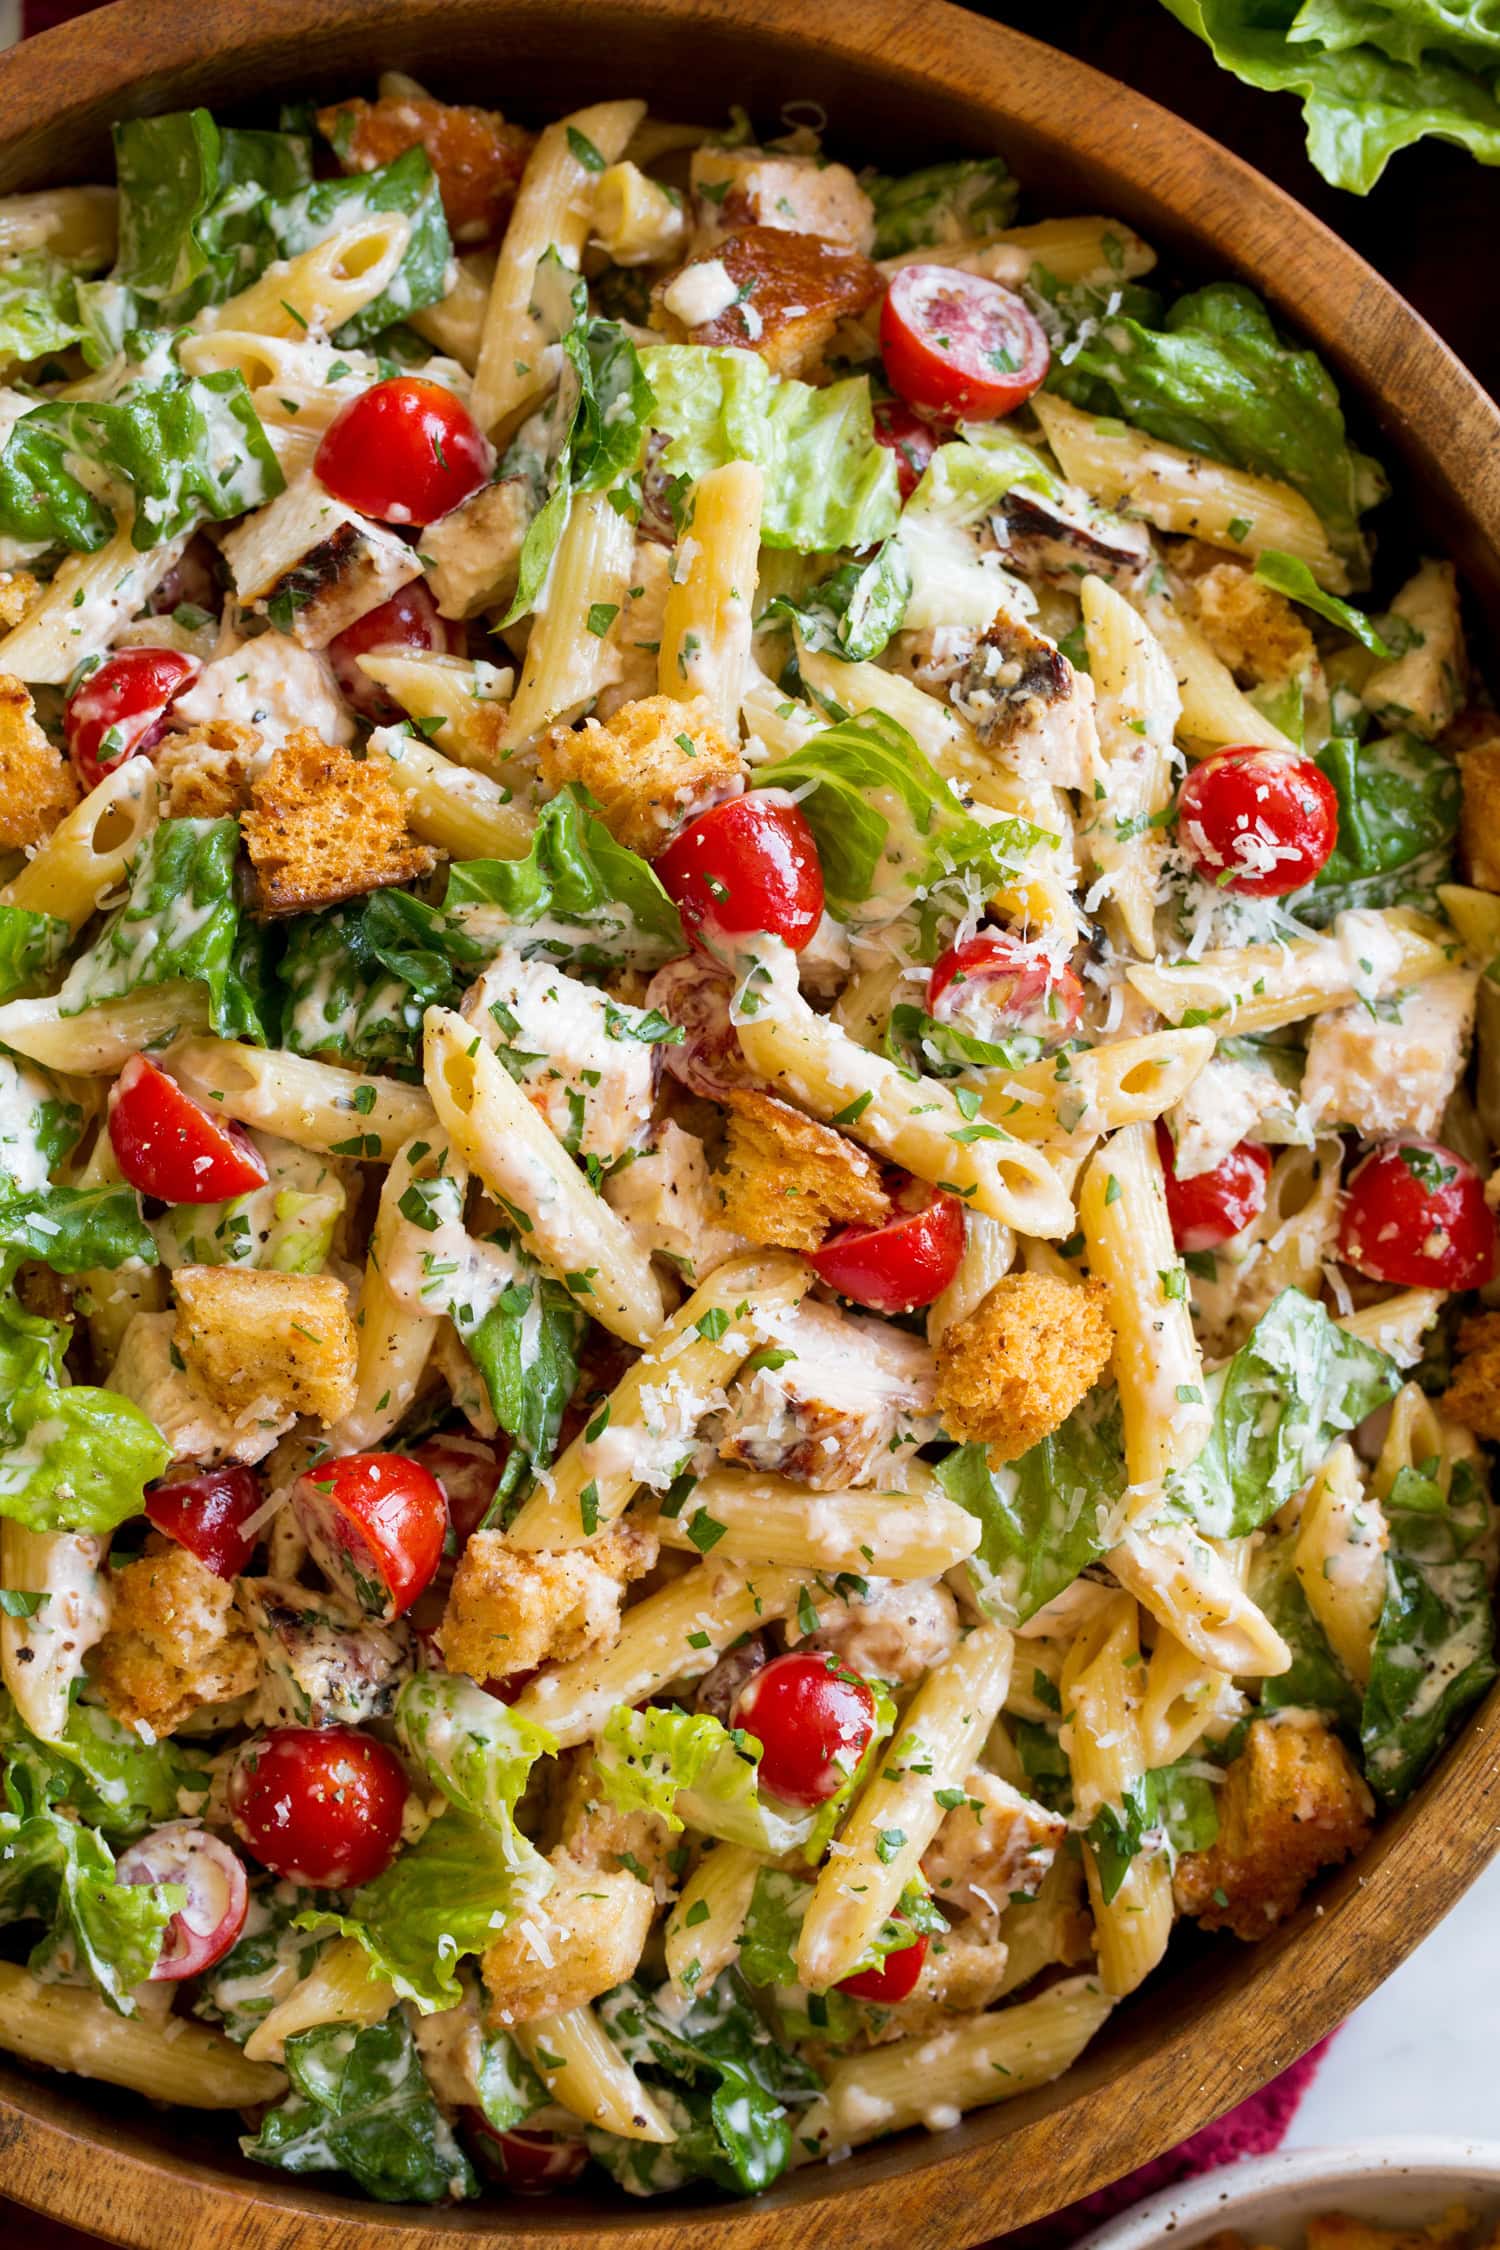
(906, 81)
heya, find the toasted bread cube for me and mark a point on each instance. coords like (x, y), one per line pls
(175, 1641)
(1251, 628)
(314, 566)
(18, 594)
(37, 785)
(1479, 822)
(1379, 1075)
(585, 1937)
(474, 552)
(1018, 1364)
(207, 772)
(323, 827)
(510, 1609)
(1425, 685)
(652, 766)
(787, 1179)
(1292, 1802)
(993, 1848)
(1473, 1396)
(755, 187)
(478, 158)
(769, 291)
(267, 1344)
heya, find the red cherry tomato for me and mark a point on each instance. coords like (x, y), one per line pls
(405, 451)
(958, 344)
(375, 1523)
(895, 1980)
(468, 1469)
(528, 2163)
(409, 620)
(813, 1723)
(749, 864)
(1257, 822)
(695, 993)
(991, 984)
(121, 708)
(207, 1514)
(319, 1805)
(212, 1915)
(912, 440)
(167, 1145)
(1210, 1207)
(1416, 1215)
(898, 1266)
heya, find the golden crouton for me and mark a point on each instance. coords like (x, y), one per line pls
(1479, 821)
(994, 1847)
(651, 767)
(1249, 626)
(175, 1641)
(18, 592)
(583, 1938)
(787, 1179)
(510, 1609)
(37, 785)
(323, 827)
(1018, 1364)
(791, 292)
(1292, 1802)
(263, 1344)
(205, 773)
(1473, 1396)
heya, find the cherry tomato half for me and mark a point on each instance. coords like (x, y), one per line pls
(898, 1266)
(895, 1980)
(319, 1805)
(409, 620)
(1257, 822)
(121, 709)
(813, 1722)
(913, 441)
(167, 1145)
(958, 344)
(527, 2163)
(212, 1915)
(468, 1469)
(207, 1514)
(992, 984)
(405, 451)
(1210, 1207)
(749, 864)
(695, 993)
(375, 1523)
(1415, 1214)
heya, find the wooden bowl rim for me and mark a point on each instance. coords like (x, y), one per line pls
(1003, 2166)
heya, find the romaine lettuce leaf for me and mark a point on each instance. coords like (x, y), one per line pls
(37, 1126)
(917, 1041)
(1043, 1517)
(576, 873)
(1399, 803)
(57, 1871)
(943, 205)
(773, 1926)
(526, 1348)
(71, 1458)
(180, 921)
(359, 978)
(193, 207)
(324, 207)
(1290, 576)
(287, 1226)
(509, 2089)
(695, 1772)
(827, 483)
(1168, 1809)
(72, 1229)
(360, 2103)
(1316, 1680)
(1435, 1644)
(38, 308)
(854, 612)
(31, 946)
(479, 1753)
(102, 1771)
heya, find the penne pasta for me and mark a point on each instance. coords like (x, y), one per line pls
(67, 2027)
(702, 1932)
(88, 851)
(315, 1104)
(914, 1532)
(705, 641)
(1368, 954)
(585, 2073)
(104, 1037)
(567, 662)
(1136, 707)
(1106, 1756)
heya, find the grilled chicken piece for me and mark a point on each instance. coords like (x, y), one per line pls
(856, 1397)
(755, 187)
(1026, 703)
(1060, 541)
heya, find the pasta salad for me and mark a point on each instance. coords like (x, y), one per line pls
(742, 1196)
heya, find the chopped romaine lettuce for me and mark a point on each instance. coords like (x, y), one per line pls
(359, 978)
(38, 308)
(72, 1229)
(853, 612)
(1167, 1809)
(104, 1772)
(325, 207)
(55, 1870)
(1398, 818)
(37, 1127)
(695, 1772)
(287, 1226)
(1289, 575)
(479, 1754)
(193, 207)
(31, 946)
(71, 1458)
(600, 903)
(360, 2103)
(1044, 1517)
(1315, 1680)
(526, 1348)
(268, 1957)
(943, 205)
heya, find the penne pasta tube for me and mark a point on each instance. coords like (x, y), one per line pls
(585, 2073)
(315, 1104)
(1214, 711)
(340, 1987)
(1102, 1736)
(989, 1252)
(702, 1931)
(77, 224)
(465, 813)
(84, 605)
(567, 662)
(895, 1817)
(320, 288)
(460, 707)
(1136, 707)
(88, 851)
(455, 324)
(1339, 1558)
(674, 1634)
(103, 1038)
(913, 1533)
(637, 221)
(705, 638)
(1397, 1324)
(1101, 1089)
(69, 2027)
(1368, 954)
(395, 1343)
(698, 1351)
(566, 1224)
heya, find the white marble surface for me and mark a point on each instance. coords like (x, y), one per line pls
(1421, 2055)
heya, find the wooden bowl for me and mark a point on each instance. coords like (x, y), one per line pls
(906, 80)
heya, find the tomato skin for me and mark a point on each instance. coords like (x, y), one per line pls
(375, 1523)
(120, 710)
(957, 344)
(168, 1145)
(469, 1470)
(694, 993)
(747, 865)
(213, 1914)
(1260, 823)
(319, 1805)
(895, 1980)
(207, 1514)
(992, 975)
(896, 1267)
(903, 432)
(813, 1721)
(409, 620)
(404, 451)
(528, 2163)
(1415, 1214)
(1211, 1207)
